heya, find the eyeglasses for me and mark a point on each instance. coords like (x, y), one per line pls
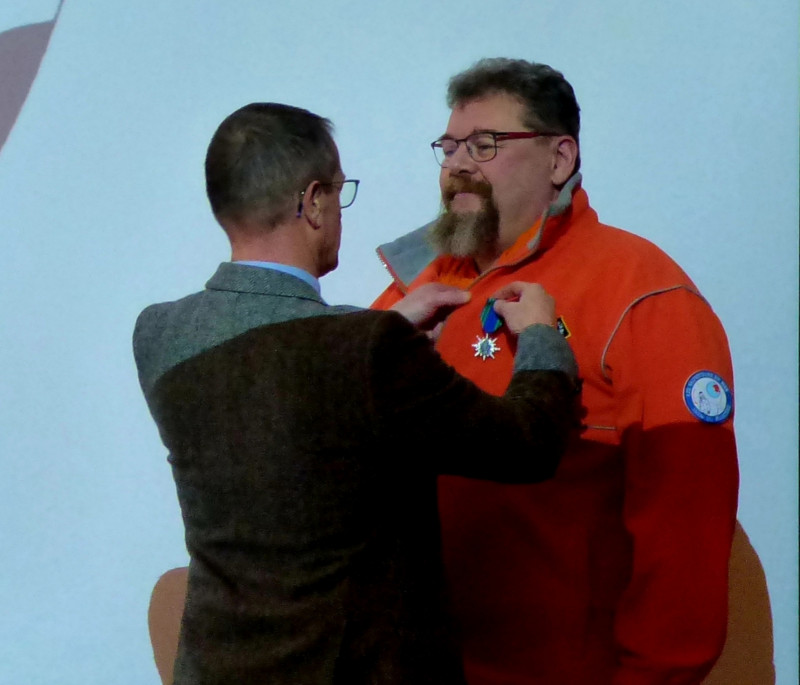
(481, 146)
(347, 191)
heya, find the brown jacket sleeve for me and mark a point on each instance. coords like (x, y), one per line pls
(424, 407)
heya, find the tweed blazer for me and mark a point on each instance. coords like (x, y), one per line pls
(305, 441)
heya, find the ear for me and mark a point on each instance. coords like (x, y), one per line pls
(564, 157)
(310, 204)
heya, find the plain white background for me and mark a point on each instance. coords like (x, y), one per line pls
(689, 138)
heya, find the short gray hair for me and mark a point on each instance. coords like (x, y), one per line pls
(262, 156)
(549, 100)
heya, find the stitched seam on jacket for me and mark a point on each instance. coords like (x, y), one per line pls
(628, 309)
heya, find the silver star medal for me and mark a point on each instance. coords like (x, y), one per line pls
(486, 346)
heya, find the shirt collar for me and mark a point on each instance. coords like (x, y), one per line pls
(287, 269)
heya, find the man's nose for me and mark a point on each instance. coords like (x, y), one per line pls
(460, 162)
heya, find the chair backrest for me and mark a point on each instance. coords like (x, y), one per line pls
(747, 658)
(164, 619)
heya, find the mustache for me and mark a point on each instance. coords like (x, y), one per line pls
(464, 185)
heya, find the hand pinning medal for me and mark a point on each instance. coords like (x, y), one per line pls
(486, 346)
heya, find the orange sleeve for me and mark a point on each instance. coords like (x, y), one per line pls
(681, 484)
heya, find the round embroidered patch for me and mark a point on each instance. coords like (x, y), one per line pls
(708, 397)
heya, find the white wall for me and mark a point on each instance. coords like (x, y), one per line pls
(690, 138)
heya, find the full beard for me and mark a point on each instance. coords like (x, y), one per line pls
(466, 234)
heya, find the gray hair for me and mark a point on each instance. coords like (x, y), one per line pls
(262, 156)
(549, 100)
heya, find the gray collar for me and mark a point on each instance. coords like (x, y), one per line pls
(252, 279)
(409, 255)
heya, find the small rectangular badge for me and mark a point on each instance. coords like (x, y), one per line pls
(562, 327)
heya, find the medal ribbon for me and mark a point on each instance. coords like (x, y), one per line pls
(486, 346)
(490, 321)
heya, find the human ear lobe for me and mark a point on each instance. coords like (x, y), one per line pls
(565, 154)
(310, 204)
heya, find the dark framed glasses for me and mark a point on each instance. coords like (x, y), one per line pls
(481, 146)
(347, 191)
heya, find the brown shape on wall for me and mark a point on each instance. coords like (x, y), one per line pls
(747, 658)
(21, 52)
(164, 619)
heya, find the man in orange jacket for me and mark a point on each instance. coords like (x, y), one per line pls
(615, 572)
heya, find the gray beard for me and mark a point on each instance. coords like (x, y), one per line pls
(472, 234)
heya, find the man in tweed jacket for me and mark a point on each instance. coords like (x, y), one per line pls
(305, 439)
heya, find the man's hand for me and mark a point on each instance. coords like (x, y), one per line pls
(428, 306)
(524, 304)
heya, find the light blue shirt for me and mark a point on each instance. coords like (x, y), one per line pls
(291, 270)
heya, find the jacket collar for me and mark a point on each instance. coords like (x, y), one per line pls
(408, 256)
(255, 280)
(554, 222)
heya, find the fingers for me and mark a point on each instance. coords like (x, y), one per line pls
(520, 304)
(440, 295)
(512, 291)
(533, 305)
(436, 331)
(503, 309)
(431, 303)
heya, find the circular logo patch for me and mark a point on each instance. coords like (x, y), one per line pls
(708, 397)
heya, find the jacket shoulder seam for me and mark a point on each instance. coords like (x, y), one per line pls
(627, 310)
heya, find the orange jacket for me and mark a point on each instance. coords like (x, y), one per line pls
(616, 570)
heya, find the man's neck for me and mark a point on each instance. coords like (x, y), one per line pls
(486, 259)
(506, 239)
(485, 262)
(279, 246)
